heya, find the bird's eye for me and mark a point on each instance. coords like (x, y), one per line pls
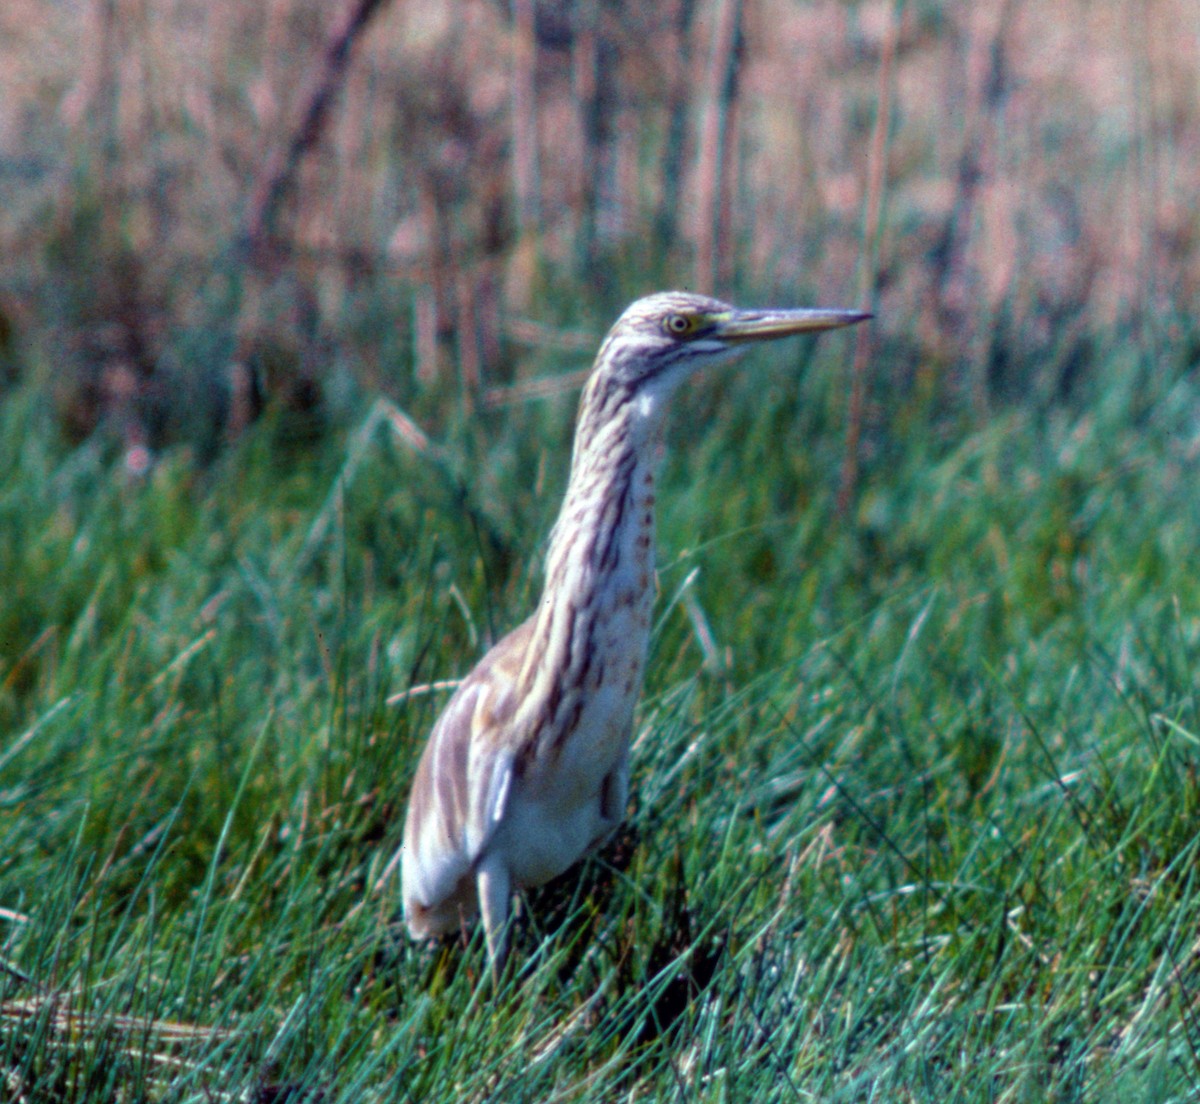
(679, 325)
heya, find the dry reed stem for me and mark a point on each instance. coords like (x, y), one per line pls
(869, 270)
(720, 98)
(524, 116)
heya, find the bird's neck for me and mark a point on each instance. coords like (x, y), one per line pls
(600, 566)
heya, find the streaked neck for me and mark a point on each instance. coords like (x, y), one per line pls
(600, 565)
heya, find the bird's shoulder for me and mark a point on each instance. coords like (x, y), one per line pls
(487, 700)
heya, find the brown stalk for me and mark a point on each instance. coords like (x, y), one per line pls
(524, 106)
(955, 279)
(720, 92)
(678, 105)
(869, 272)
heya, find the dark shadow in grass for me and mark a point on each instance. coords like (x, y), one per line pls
(575, 904)
(285, 1093)
(658, 1006)
(656, 981)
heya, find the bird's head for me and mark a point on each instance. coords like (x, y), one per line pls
(663, 338)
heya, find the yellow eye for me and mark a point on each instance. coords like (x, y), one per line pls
(679, 325)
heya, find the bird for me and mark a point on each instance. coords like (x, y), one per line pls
(527, 768)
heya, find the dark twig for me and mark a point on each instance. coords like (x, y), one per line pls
(278, 176)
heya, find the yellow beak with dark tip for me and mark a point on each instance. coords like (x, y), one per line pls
(738, 326)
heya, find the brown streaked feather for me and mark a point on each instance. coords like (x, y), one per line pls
(443, 840)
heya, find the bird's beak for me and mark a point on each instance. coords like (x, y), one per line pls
(736, 326)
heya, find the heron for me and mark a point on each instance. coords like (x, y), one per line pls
(527, 768)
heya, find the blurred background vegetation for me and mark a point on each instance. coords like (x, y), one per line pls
(211, 206)
(294, 303)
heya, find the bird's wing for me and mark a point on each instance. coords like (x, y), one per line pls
(462, 784)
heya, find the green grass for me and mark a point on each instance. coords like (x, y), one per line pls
(924, 826)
